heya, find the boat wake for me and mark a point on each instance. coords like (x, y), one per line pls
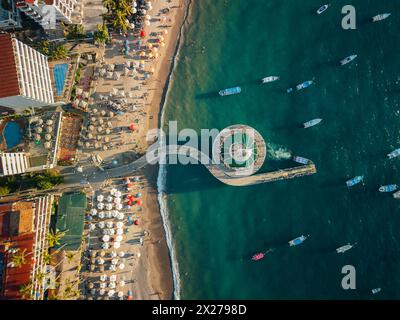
(278, 153)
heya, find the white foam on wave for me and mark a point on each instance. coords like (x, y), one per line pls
(162, 175)
(277, 152)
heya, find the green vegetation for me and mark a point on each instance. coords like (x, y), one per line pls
(18, 259)
(42, 181)
(74, 31)
(4, 190)
(26, 290)
(47, 180)
(52, 50)
(118, 12)
(101, 36)
(54, 237)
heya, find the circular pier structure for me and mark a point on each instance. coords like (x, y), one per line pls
(239, 150)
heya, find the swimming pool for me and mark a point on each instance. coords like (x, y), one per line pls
(12, 133)
(60, 73)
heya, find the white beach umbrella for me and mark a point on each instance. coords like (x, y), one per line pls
(139, 254)
(118, 206)
(100, 261)
(109, 206)
(118, 194)
(122, 283)
(103, 285)
(92, 227)
(93, 212)
(102, 292)
(109, 224)
(120, 231)
(120, 294)
(101, 215)
(112, 285)
(119, 224)
(109, 199)
(106, 238)
(117, 245)
(100, 198)
(114, 261)
(101, 225)
(113, 268)
(113, 278)
(120, 216)
(147, 23)
(112, 232)
(117, 200)
(111, 293)
(147, 17)
(103, 277)
(121, 266)
(108, 215)
(115, 213)
(106, 231)
(105, 246)
(113, 191)
(119, 238)
(100, 206)
(121, 254)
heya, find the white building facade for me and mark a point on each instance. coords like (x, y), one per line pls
(25, 78)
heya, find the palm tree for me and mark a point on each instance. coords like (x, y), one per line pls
(70, 256)
(120, 22)
(47, 258)
(54, 238)
(101, 36)
(18, 259)
(26, 290)
(109, 4)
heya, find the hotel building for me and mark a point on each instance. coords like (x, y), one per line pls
(25, 76)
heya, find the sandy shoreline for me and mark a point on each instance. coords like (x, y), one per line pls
(157, 268)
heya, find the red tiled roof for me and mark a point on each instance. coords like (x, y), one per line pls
(8, 75)
(14, 278)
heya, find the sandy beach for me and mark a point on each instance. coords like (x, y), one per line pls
(150, 274)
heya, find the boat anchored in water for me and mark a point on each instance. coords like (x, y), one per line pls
(230, 91)
(260, 255)
(270, 79)
(396, 195)
(311, 123)
(348, 59)
(345, 248)
(323, 8)
(388, 188)
(298, 241)
(301, 160)
(304, 85)
(376, 290)
(381, 17)
(394, 154)
(354, 181)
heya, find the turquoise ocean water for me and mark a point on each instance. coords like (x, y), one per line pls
(215, 228)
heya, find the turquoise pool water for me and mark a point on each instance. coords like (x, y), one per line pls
(13, 134)
(60, 73)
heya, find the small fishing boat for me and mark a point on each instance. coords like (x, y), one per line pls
(345, 248)
(304, 85)
(396, 195)
(394, 154)
(260, 255)
(230, 91)
(301, 160)
(381, 17)
(348, 59)
(388, 188)
(270, 79)
(354, 181)
(311, 123)
(289, 90)
(298, 241)
(376, 290)
(323, 8)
